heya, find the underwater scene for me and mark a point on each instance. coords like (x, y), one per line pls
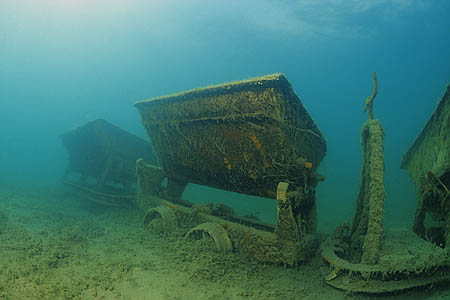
(195, 149)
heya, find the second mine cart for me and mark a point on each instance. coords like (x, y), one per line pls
(104, 158)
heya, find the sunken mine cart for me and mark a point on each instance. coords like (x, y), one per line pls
(252, 137)
(102, 162)
(428, 162)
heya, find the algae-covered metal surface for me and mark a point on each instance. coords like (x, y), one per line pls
(198, 222)
(405, 262)
(431, 149)
(243, 136)
(106, 153)
(428, 162)
(367, 227)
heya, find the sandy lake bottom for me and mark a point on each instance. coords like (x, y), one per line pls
(54, 246)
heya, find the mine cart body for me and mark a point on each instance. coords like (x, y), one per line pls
(243, 136)
(253, 137)
(105, 154)
(431, 149)
(428, 162)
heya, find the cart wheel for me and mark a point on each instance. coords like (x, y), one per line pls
(213, 231)
(161, 218)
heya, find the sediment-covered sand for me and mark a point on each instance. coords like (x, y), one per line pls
(55, 245)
